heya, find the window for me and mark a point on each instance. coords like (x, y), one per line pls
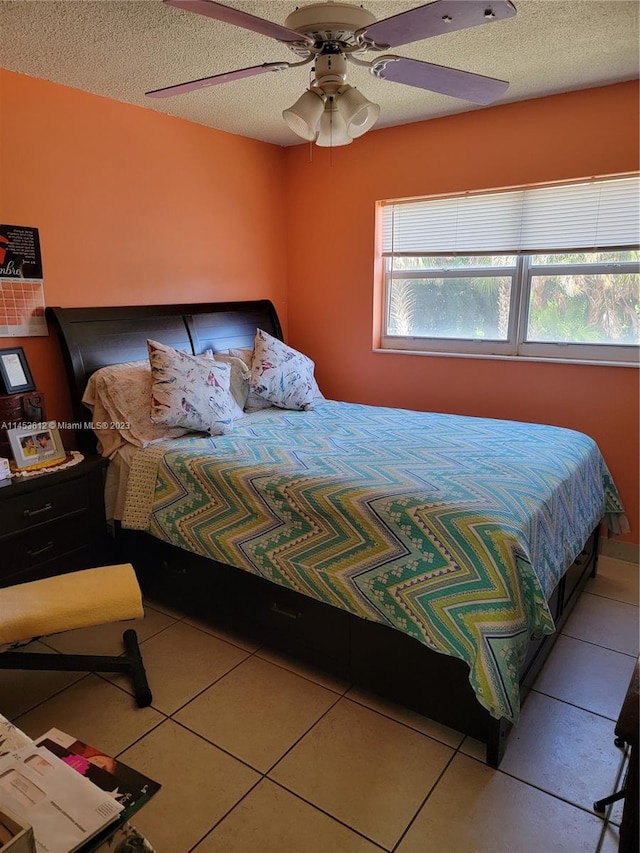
(550, 272)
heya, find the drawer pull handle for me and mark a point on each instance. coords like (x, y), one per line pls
(38, 551)
(285, 611)
(28, 513)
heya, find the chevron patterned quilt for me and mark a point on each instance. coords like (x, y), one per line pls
(454, 530)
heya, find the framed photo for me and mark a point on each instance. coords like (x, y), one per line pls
(15, 375)
(36, 444)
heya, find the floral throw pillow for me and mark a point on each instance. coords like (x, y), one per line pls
(253, 403)
(281, 374)
(189, 391)
(239, 379)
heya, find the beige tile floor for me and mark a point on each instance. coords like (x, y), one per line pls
(259, 754)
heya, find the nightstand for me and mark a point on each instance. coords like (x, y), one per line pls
(53, 523)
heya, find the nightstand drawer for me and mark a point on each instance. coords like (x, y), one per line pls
(43, 504)
(82, 558)
(45, 543)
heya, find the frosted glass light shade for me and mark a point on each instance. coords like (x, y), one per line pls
(359, 114)
(304, 115)
(333, 129)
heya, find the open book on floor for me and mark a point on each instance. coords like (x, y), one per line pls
(127, 786)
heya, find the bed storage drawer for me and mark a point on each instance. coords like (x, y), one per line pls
(240, 601)
(573, 579)
(393, 665)
(296, 623)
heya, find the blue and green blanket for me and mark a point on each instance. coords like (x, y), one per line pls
(454, 530)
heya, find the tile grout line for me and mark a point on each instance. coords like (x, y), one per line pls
(141, 737)
(384, 716)
(51, 696)
(265, 774)
(387, 716)
(299, 674)
(297, 741)
(611, 598)
(215, 745)
(607, 598)
(328, 814)
(573, 705)
(209, 686)
(547, 793)
(225, 815)
(564, 633)
(423, 803)
(210, 633)
(316, 808)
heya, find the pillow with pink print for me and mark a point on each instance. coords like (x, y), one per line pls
(190, 391)
(281, 374)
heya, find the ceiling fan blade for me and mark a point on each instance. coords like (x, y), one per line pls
(203, 82)
(435, 19)
(220, 12)
(439, 78)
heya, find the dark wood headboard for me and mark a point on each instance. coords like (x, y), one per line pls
(91, 338)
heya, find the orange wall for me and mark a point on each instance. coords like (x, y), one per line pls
(330, 209)
(135, 207)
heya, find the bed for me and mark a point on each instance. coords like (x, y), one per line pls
(430, 558)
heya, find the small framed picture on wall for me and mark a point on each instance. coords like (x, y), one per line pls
(15, 375)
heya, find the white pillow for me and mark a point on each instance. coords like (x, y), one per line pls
(189, 391)
(281, 374)
(118, 396)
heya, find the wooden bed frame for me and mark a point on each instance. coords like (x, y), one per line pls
(366, 653)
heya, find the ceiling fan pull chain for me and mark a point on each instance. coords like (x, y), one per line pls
(331, 138)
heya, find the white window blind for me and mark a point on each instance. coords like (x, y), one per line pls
(586, 217)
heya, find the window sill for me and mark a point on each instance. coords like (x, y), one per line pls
(483, 356)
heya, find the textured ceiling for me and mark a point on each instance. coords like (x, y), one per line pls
(122, 48)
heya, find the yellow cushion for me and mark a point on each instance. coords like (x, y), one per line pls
(75, 600)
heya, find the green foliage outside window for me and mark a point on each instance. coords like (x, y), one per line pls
(564, 305)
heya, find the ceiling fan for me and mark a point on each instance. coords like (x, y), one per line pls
(332, 34)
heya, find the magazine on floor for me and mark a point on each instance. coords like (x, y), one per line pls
(64, 809)
(127, 786)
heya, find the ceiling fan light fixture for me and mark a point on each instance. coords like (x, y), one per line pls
(333, 128)
(332, 33)
(359, 113)
(304, 115)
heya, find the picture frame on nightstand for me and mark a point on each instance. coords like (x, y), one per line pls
(36, 444)
(15, 375)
